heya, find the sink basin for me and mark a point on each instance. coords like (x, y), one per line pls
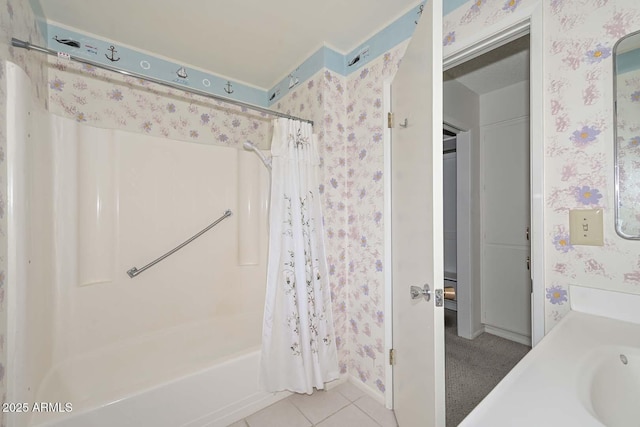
(584, 373)
(610, 385)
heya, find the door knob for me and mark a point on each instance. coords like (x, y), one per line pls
(417, 292)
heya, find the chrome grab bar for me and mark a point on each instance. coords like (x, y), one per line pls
(133, 272)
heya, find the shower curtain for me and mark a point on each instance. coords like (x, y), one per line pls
(298, 339)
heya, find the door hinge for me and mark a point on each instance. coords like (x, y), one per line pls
(392, 357)
(389, 120)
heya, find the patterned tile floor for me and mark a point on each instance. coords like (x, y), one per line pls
(342, 406)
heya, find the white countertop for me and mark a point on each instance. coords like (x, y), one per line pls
(545, 388)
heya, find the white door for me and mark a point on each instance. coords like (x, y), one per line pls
(506, 280)
(416, 226)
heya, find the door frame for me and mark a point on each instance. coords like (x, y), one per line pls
(533, 25)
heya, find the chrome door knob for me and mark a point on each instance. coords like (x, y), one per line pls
(417, 292)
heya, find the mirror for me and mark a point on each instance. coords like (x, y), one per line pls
(626, 86)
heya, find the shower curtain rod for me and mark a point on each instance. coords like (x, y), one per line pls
(26, 45)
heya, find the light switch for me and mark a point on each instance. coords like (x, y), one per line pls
(585, 226)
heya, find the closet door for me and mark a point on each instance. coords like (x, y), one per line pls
(506, 282)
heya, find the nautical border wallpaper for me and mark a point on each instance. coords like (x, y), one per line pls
(100, 98)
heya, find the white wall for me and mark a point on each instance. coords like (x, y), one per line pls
(449, 215)
(462, 110)
(505, 104)
(504, 130)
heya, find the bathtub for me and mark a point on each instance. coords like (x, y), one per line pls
(177, 377)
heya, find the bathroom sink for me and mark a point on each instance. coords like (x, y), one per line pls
(610, 385)
(584, 373)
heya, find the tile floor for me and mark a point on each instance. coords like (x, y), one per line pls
(342, 406)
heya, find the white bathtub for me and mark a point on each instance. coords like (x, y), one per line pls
(195, 375)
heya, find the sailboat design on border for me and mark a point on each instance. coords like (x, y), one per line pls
(182, 73)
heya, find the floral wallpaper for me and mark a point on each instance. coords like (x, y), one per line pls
(579, 141)
(628, 145)
(471, 21)
(101, 98)
(578, 135)
(16, 20)
(349, 119)
(365, 183)
(578, 165)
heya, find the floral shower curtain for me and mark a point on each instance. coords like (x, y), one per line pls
(298, 339)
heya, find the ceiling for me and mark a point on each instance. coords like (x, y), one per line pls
(496, 69)
(255, 42)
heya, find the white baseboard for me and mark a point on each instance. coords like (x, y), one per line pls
(512, 336)
(477, 333)
(343, 379)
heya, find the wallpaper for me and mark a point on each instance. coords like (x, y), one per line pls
(351, 130)
(578, 134)
(101, 98)
(111, 53)
(107, 52)
(365, 183)
(579, 141)
(477, 19)
(16, 20)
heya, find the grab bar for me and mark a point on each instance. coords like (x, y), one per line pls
(133, 272)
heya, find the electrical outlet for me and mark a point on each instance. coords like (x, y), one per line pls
(585, 227)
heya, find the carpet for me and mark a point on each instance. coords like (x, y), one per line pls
(474, 367)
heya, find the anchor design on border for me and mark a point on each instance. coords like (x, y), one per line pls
(228, 88)
(113, 51)
(419, 13)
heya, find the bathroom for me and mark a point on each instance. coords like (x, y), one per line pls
(575, 93)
